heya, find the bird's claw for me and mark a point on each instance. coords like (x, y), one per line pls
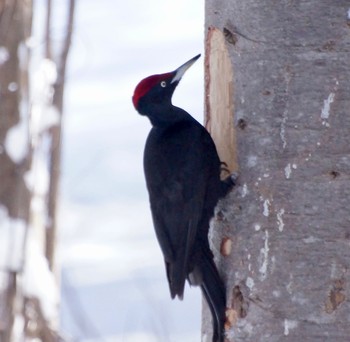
(229, 182)
(234, 176)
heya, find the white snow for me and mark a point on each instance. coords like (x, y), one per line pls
(288, 170)
(250, 283)
(283, 129)
(266, 205)
(327, 106)
(37, 181)
(257, 227)
(38, 280)
(44, 114)
(4, 55)
(252, 161)
(287, 78)
(31, 42)
(16, 254)
(47, 73)
(43, 117)
(280, 223)
(276, 293)
(288, 325)
(18, 328)
(12, 235)
(16, 141)
(12, 87)
(37, 178)
(244, 190)
(23, 55)
(264, 254)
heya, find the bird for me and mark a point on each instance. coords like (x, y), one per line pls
(182, 171)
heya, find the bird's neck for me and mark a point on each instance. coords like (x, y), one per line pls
(167, 116)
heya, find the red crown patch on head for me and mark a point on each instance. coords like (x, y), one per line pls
(146, 85)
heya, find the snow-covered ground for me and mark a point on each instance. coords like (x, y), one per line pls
(113, 279)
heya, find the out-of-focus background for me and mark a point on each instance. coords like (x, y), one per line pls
(113, 284)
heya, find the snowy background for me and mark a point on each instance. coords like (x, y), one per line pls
(113, 278)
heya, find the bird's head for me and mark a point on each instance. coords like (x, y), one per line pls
(158, 89)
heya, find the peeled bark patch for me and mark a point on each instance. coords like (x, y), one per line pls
(219, 97)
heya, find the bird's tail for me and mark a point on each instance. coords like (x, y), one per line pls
(214, 292)
(176, 279)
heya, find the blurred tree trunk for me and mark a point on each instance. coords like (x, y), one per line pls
(60, 59)
(15, 153)
(280, 71)
(27, 234)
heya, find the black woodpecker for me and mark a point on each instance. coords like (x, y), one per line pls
(182, 170)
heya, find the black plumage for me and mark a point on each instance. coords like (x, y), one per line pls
(182, 171)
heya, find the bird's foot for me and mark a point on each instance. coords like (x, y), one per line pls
(229, 182)
(224, 167)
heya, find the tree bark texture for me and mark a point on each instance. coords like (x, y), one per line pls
(284, 232)
(15, 24)
(14, 194)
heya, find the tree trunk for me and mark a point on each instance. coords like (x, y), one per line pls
(284, 232)
(28, 306)
(15, 154)
(55, 130)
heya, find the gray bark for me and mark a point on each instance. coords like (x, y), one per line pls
(288, 221)
(15, 24)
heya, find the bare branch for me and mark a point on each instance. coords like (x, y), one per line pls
(48, 46)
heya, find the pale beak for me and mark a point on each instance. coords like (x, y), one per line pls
(179, 72)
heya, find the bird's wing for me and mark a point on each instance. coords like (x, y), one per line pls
(176, 218)
(176, 175)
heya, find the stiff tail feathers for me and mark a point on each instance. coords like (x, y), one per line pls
(176, 280)
(214, 292)
(177, 270)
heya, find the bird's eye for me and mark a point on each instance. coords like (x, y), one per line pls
(163, 84)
